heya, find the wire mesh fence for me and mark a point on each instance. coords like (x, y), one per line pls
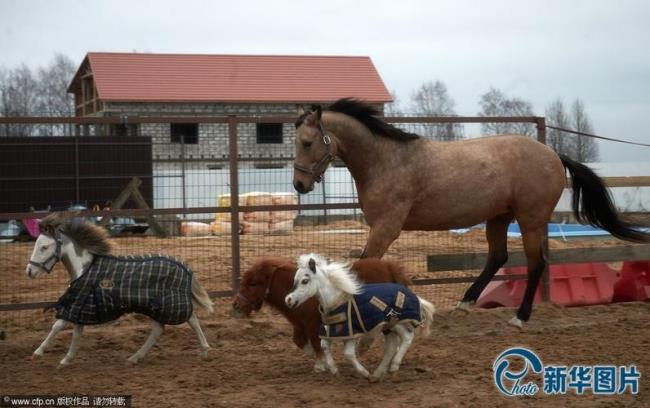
(166, 185)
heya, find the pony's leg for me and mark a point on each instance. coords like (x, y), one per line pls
(533, 240)
(405, 340)
(196, 326)
(314, 344)
(350, 352)
(496, 231)
(311, 346)
(77, 329)
(300, 340)
(58, 325)
(365, 343)
(391, 341)
(327, 352)
(156, 331)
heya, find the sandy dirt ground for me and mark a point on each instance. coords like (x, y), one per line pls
(254, 363)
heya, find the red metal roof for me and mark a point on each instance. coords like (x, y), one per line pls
(233, 78)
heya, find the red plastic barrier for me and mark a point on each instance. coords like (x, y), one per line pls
(571, 285)
(634, 284)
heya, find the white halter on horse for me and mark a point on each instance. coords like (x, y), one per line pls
(93, 295)
(345, 302)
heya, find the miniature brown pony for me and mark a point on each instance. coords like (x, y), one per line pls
(407, 182)
(270, 280)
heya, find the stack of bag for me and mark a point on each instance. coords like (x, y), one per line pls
(257, 222)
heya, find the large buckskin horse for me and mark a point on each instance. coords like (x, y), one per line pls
(408, 182)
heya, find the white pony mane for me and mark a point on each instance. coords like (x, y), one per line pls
(338, 274)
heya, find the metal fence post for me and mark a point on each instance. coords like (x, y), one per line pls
(546, 281)
(77, 175)
(183, 174)
(234, 201)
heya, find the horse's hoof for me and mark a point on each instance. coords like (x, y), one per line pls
(205, 355)
(362, 374)
(62, 365)
(464, 307)
(319, 368)
(35, 356)
(516, 322)
(131, 361)
(375, 377)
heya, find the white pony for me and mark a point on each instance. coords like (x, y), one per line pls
(345, 305)
(81, 247)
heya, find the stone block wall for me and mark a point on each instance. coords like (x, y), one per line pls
(213, 137)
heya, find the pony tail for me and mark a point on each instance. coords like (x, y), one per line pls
(200, 296)
(593, 205)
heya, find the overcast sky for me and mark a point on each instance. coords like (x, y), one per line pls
(594, 50)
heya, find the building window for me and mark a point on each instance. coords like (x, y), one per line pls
(187, 133)
(124, 130)
(269, 133)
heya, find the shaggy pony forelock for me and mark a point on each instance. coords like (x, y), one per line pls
(91, 237)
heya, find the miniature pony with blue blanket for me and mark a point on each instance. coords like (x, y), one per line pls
(351, 310)
(103, 287)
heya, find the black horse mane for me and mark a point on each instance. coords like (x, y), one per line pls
(367, 115)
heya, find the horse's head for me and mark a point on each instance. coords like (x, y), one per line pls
(46, 253)
(305, 281)
(255, 286)
(68, 238)
(315, 150)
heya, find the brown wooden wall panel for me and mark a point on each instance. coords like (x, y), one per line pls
(42, 171)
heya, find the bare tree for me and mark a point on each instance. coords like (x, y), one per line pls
(432, 99)
(556, 115)
(53, 82)
(586, 148)
(19, 92)
(54, 100)
(45, 93)
(580, 148)
(495, 103)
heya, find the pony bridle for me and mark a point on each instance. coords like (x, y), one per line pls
(323, 162)
(48, 264)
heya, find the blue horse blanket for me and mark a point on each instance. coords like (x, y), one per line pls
(154, 285)
(377, 306)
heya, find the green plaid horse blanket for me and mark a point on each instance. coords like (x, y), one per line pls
(154, 285)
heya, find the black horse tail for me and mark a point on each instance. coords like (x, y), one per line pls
(593, 205)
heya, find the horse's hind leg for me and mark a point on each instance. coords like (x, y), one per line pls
(533, 240)
(496, 233)
(391, 341)
(156, 331)
(196, 326)
(350, 352)
(77, 329)
(406, 338)
(58, 325)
